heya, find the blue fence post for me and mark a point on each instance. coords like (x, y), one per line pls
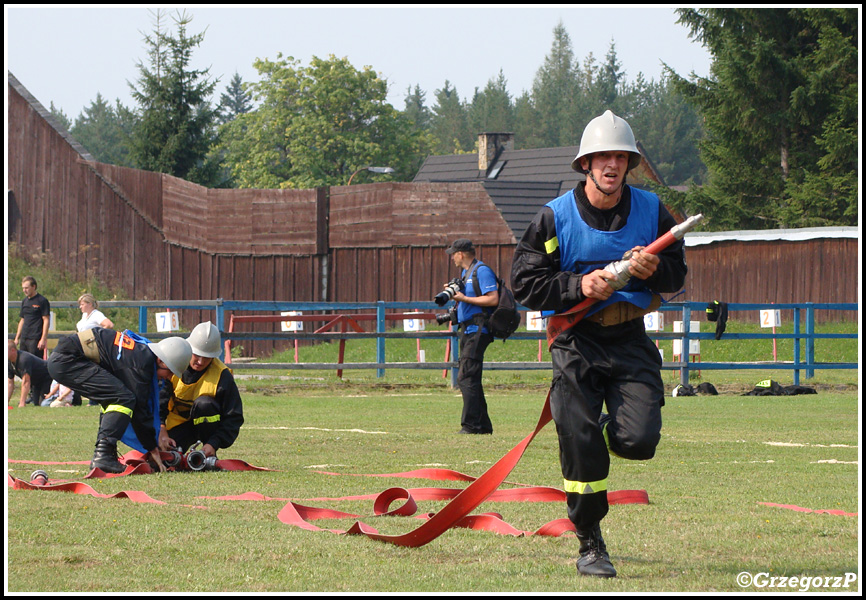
(220, 323)
(810, 340)
(142, 319)
(380, 341)
(796, 346)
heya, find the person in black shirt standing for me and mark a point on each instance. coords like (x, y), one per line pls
(32, 335)
(606, 359)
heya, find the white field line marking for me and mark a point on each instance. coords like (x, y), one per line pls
(794, 445)
(324, 429)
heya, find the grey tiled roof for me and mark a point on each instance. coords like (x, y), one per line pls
(528, 179)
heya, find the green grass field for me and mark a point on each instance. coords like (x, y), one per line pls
(720, 457)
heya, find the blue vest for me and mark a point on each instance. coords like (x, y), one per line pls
(584, 249)
(486, 283)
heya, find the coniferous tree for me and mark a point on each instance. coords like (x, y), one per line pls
(234, 101)
(779, 113)
(101, 130)
(175, 126)
(555, 95)
(416, 109)
(490, 110)
(449, 124)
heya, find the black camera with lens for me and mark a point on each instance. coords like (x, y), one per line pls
(449, 317)
(451, 288)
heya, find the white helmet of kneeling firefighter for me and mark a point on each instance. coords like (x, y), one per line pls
(205, 340)
(606, 133)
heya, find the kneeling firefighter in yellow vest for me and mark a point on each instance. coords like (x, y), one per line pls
(202, 404)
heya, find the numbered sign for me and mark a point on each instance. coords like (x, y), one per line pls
(291, 325)
(413, 325)
(694, 345)
(771, 318)
(167, 321)
(534, 321)
(654, 321)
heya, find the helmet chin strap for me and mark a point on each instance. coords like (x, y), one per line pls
(598, 187)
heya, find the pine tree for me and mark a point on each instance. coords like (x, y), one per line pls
(234, 101)
(555, 91)
(176, 122)
(779, 115)
(100, 129)
(449, 123)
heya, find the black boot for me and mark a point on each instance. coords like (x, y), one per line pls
(594, 560)
(105, 457)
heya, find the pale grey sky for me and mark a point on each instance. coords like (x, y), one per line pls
(66, 55)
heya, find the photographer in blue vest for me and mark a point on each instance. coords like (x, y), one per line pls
(605, 362)
(479, 297)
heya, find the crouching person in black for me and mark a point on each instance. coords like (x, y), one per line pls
(119, 371)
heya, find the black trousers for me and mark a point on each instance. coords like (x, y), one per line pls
(31, 345)
(471, 365)
(205, 410)
(594, 368)
(68, 365)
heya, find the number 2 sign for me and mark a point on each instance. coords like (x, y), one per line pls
(771, 318)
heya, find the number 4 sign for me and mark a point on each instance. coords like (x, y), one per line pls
(167, 321)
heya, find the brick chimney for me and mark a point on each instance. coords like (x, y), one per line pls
(490, 146)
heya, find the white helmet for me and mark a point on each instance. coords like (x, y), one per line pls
(175, 352)
(205, 340)
(605, 134)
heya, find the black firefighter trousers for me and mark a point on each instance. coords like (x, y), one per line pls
(593, 367)
(69, 366)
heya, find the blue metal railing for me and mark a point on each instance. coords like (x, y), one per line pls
(685, 309)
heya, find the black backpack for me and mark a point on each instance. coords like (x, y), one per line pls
(505, 318)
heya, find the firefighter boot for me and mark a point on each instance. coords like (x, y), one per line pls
(594, 560)
(105, 457)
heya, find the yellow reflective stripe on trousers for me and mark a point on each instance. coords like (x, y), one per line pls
(551, 245)
(210, 419)
(118, 408)
(607, 440)
(585, 487)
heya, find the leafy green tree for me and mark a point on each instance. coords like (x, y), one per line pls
(779, 115)
(175, 125)
(316, 126)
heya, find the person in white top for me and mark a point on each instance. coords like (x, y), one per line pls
(91, 316)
